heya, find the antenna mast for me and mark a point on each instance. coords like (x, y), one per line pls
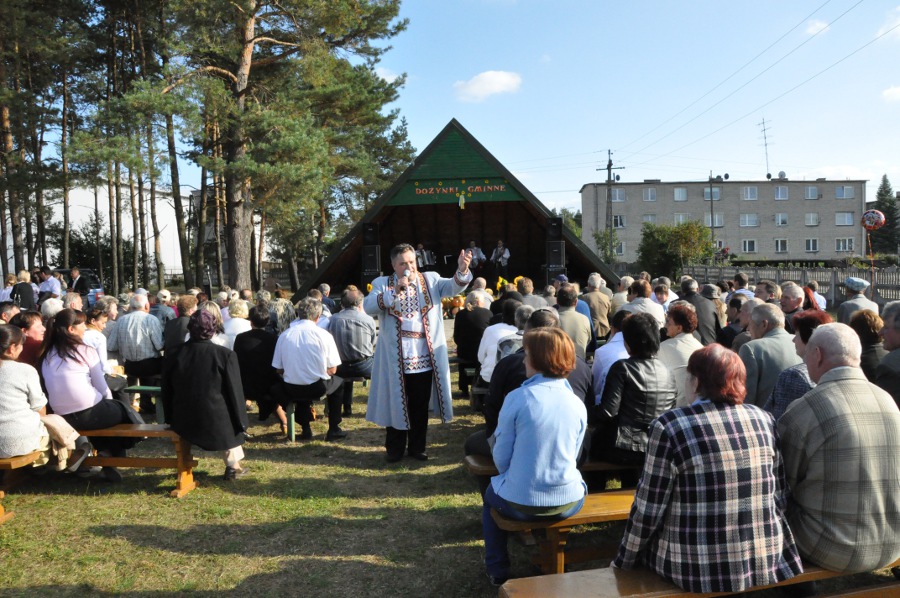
(765, 141)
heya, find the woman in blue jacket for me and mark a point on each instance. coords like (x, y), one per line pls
(535, 446)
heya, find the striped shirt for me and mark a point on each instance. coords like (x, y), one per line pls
(136, 336)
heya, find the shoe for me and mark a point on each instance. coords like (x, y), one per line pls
(497, 581)
(111, 474)
(390, 458)
(348, 411)
(89, 472)
(81, 453)
(335, 434)
(419, 456)
(232, 474)
(148, 409)
(305, 435)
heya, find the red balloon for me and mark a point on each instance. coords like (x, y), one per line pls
(873, 220)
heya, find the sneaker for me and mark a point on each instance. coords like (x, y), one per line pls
(232, 474)
(111, 474)
(335, 434)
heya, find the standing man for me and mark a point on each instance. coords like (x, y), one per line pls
(327, 301)
(354, 334)
(856, 299)
(411, 363)
(50, 287)
(500, 259)
(138, 337)
(707, 321)
(840, 443)
(478, 257)
(79, 284)
(791, 304)
(598, 304)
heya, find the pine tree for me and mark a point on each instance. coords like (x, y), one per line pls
(887, 238)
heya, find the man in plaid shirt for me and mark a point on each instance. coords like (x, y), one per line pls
(138, 337)
(841, 442)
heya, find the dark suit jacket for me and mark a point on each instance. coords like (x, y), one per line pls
(175, 332)
(468, 328)
(255, 349)
(707, 322)
(81, 286)
(202, 395)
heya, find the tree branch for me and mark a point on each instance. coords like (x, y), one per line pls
(211, 69)
(275, 41)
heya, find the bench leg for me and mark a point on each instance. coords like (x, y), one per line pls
(185, 480)
(553, 551)
(4, 515)
(292, 426)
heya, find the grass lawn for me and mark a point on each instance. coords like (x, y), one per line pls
(315, 518)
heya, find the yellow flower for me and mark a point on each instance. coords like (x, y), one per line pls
(369, 288)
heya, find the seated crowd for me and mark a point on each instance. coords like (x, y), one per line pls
(761, 431)
(765, 430)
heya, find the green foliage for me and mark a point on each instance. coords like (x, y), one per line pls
(666, 248)
(571, 219)
(606, 241)
(887, 238)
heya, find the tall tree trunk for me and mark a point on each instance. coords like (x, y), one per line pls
(292, 271)
(180, 223)
(12, 195)
(262, 244)
(97, 228)
(41, 227)
(157, 251)
(119, 245)
(219, 201)
(30, 248)
(200, 242)
(113, 236)
(142, 219)
(4, 239)
(254, 266)
(63, 146)
(135, 228)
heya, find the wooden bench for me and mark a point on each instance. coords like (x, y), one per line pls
(182, 462)
(598, 508)
(10, 465)
(479, 465)
(616, 583)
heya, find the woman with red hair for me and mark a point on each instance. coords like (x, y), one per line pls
(708, 512)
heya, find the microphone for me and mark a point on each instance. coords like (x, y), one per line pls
(406, 274)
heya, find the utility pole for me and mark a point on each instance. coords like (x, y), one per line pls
(609, 214)
(712, 212)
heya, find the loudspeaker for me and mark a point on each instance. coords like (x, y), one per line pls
(371, 258)
(553, 272)
(556, 254)
(370, 233)
(554, 229)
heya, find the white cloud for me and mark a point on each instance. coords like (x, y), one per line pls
(386, 74)
(486, 84)
(892, 21)
(891, 94)
(815, 26)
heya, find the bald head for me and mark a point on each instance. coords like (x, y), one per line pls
(832, 346)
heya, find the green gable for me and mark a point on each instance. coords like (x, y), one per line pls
(436, 180)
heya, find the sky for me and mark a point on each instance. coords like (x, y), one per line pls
(676, 90)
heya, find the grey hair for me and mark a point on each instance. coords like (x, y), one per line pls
(889, 314)
(138, 301)
(626, 282)
(769, 312)
(523, 312)
(595, 281)
(839, 344)
(264, 296)
(104, 303)
(689, 285)
(50, 307)
(324, 288)
(792, 291)
(751, 304)
(309, 309)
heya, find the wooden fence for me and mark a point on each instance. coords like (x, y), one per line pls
(886, 282)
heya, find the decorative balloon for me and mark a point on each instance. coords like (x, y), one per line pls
(873, 220)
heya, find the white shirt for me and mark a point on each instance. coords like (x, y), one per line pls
(52, 285)
(604, 358)
(487, 350)
(644, 305)
(5, 293)
(234, 327)
(305, 352)
(94, 338)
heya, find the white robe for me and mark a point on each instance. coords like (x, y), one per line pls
(387, 401)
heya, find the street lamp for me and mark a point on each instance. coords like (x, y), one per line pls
(712, 213)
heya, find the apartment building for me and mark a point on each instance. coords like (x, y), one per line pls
(775, 219)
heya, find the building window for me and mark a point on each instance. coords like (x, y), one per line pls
(781, 192)
(781, 219)
(844, 244)
(843, 192)
(649, 218)
(720, 244)
(680, 194)
(812, 192)
(719, 220)
(812, 219)
(617, 194)
(749, 220)
(682, 218)
(748, 245)
(812, 245)
(750, 194)
(781, 246)
(843, 219)
(618, 221)
(716, 193)
(619, 249)
(650, 194)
